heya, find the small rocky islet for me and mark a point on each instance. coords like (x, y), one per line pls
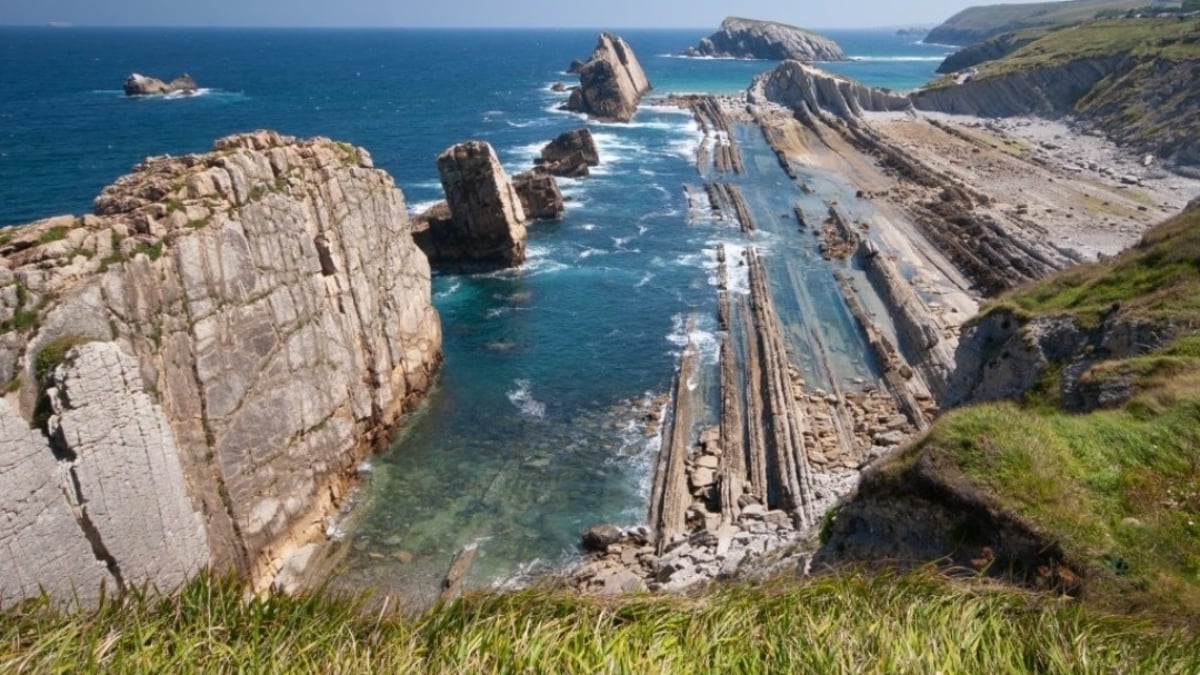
(179, 316)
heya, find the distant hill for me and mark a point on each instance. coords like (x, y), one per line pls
(976, 24)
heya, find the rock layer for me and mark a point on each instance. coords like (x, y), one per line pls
(261, 314)
(750, 39)
(140, 85)
(486, 224)
(611, 83)
(570, 154)
(804, 88)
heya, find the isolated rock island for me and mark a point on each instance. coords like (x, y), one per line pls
(769, 40)
(140, 85)
(611, 82)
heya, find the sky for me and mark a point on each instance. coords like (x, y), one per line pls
(478, 13)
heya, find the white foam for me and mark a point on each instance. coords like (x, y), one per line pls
(703, 336)
(897, 59)
(449, 291)
(415, 208)
(587, 227)
(646, 278)
(523, 399)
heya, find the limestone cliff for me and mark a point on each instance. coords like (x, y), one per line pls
(750, 39)
(804, 88)
(611, 83)
(195, 371)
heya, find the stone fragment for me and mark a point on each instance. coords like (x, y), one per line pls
(600, 537)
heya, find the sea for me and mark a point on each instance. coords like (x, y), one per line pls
(536, 428)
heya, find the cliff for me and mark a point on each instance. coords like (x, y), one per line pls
(195, 371)
(611, 82)
(810, 90)
(751, 39)
(993, 48)
(1071, 463)
(1133, 79)
(976, 24)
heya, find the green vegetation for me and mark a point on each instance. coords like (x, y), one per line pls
(56, 233)
(847, 624)
(975, 24)
(49, 358)
(24, 318)
(153, 250)
(1118, 490)
(1142, 39)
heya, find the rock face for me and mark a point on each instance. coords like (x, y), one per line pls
(233, 332)
(611, 83)
(1049, 91)
(804, 88)
(486, 224)
(539, 194)
(570, 154)
(140, 85)
(750, 39)
(993, 48)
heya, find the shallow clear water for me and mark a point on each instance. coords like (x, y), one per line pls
(534, 431)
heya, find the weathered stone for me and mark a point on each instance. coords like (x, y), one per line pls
(702, 478)
(486, 226)
(540, 197)
(266, 368)
(570, 154)
(140, 85)
(611, 83)
(600, 537)
(815, 92)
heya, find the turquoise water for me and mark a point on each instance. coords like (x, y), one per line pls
(536, 428)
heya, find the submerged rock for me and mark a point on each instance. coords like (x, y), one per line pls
(751, 39)
(140, 85)
(611, 83)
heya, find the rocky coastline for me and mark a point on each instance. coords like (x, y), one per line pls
(769, 40)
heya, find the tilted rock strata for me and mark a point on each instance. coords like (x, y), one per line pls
(486, 227)
(750, 39)
(539, 194)
(799, 86)
(140, 85)
(611, 83)
(279, 315)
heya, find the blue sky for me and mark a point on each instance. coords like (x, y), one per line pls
(476, 13)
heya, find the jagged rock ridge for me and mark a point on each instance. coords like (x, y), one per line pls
(804, 88)
(611, 83)
(751, 39)
(207, 358)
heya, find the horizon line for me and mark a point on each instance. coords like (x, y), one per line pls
(65, 25)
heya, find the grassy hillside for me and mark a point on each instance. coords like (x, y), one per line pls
(976, 24)
(848, 624)
(1118, 490)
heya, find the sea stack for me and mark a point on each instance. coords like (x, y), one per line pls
(140, 85)
(486, 224)
(611, 83)
(751, 39)
(570, 154)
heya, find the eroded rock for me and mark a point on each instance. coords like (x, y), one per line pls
(611, 83)
(140, 85)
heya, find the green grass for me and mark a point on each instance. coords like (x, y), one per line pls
(56, 233)
(1169, 39)
(848, 624)
(994, 19)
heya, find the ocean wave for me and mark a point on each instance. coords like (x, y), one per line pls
(646, 278)
(449, 291)
(703, 336)
(706, 58)
(526, 404)
(415, 208)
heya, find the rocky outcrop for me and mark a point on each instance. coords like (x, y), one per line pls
(570, 154)
(539, 194)
(989, 50)
(485, 227)
(140, 85)
(611, 83)
(1050, 91)
(1002, 355)
(203, 363)
(815, 92)
(750, 39)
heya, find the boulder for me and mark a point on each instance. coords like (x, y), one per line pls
(750, 39)
(140, 85)
(486, 224)
(611, 83)
(600, 537)
(570, 154)
(540, 197)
